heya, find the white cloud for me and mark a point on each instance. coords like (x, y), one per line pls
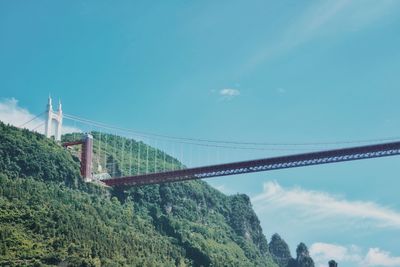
(324, 252)
(324, 207)
(377, 257)
(345, 255)
(229, 93)
(323, 18)
(12, 113)
(70, 129)
(224, 189)
(281, 91)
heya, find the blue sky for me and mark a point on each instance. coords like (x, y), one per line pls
(261, 71)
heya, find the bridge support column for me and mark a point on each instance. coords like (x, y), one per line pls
(86, 158)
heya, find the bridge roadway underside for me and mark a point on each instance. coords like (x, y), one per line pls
(267, 164)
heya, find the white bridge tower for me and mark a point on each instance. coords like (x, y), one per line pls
(56, 117)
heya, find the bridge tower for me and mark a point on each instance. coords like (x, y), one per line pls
(86, 155)
(53, 116)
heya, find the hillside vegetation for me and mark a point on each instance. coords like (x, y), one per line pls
(48, 216)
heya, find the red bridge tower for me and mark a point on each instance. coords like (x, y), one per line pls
(86, 155)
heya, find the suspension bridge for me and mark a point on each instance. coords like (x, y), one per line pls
(165, 168)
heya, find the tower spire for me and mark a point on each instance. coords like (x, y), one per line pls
(49, 104)
(59, 121)
(51, 115)
(59, 105)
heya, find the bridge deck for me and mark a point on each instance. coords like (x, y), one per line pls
(267, 164)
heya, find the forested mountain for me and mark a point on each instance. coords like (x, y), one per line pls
(281, 254)
(48, 216)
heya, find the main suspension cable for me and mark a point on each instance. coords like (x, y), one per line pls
(34, 118)
(199, 141)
